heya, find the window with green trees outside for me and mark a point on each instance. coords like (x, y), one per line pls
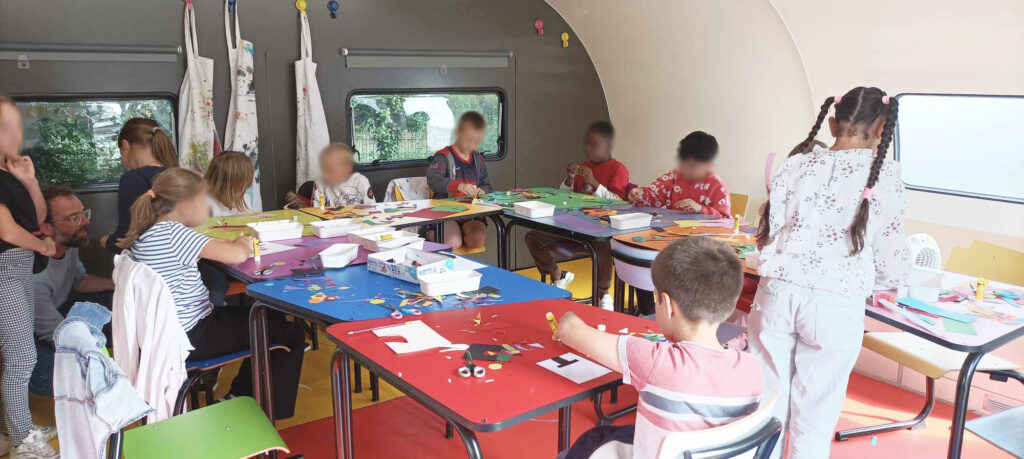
(392, 126)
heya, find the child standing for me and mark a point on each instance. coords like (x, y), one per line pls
(146, 150)
(458, 171)
(601, 176)
(161, 236)
(338, 182)
(691, 186)
(832, 230)
(22, 210)
(229, 175)
(689, 382)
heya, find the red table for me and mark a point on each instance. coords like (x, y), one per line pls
(520, 390)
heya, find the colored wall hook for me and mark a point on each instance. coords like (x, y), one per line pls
(301, 6)
(565, 39)
(231, 6)
(539, 25)
(188, 3)
(333, 6)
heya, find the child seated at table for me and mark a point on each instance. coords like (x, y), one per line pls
(689, 382)
(459, 171)
(601, 176)
(161, 236)
(691, 186)
(229, 177)
(338, 181)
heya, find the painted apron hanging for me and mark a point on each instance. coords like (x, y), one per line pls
(197, 134)
(312, 135)
(240, 131)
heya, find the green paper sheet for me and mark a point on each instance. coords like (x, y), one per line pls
(955, 326)
(449, 208)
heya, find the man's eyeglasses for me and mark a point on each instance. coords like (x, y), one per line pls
(77, 218)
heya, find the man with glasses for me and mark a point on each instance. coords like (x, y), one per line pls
(64, 280)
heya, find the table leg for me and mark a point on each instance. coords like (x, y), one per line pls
(963, 392)
(564, 427)
(606, 419)
(342, 398)
(594, 272)
(374, 388)
(469, 441)
(357, 378)
(262, 387)
(439, 233)
(503, 241)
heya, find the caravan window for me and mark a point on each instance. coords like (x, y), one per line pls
(961, 144)
(402, 126)
(73, 141)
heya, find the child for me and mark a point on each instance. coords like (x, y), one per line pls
(831, 231)
(690, 382)
(229, 175)
(601, 176)
(459, 171)
(339, 183)
(22, 210)
(161, 236)
(692, 186)
(146, 150)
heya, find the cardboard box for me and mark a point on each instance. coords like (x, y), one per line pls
(409, 264)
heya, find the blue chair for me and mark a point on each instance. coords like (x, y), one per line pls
(207, 369)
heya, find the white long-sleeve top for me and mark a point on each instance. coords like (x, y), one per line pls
(814, 198)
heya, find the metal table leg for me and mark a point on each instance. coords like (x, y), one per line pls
(963, 391)
(469, 441)
(262, 387)
(564, 427)
(342, 398)
(357, 378)
(605, 419)
(503, 241)
(594, 272)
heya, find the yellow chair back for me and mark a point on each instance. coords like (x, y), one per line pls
(739, 203)
(988, 260)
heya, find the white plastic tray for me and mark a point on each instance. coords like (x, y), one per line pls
(339, 255)
(380, 238)
(534, 209)
(276, 230)
(399, 263)
(630, 220)
(450, 282)
(335, 228)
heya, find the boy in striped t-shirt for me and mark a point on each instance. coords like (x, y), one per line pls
(689, 382)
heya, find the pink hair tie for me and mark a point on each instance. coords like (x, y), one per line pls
(868, 193)
(885, 100)
(838, 99)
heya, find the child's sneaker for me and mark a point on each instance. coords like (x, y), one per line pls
(35, 445)
(564, 282)
(607, 303)
(41, 433)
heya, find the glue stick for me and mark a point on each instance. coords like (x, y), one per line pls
(980, 293)
(552, 322)
(320, 196)
(256, 250)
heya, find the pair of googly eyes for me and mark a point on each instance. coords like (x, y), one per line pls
(466, 372)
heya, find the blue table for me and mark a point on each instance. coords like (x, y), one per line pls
(292, 296)
(588, 230)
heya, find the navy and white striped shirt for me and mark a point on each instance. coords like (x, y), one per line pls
(172, 250)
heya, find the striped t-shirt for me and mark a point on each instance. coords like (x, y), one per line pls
(172, 250)
(686, 386)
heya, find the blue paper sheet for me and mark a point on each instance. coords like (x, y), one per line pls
(926, 307)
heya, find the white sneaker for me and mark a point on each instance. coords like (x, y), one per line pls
(607, 303)
(41, 433)
(34, 449)
(564, 282)
(5, 444)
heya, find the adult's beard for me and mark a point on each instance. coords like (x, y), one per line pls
(73, 241)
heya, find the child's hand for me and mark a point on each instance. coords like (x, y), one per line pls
(244, 241)
(49, 248)
(689, 205)
(572, 169)
(636, 194)
(467, 189)
(565, 322)
(588, 176)
(22, 169)
(103, 240)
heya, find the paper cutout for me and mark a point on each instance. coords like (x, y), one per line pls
(269, 248)
(688, 223)
(418, 337)
(490, 352)
(574, 368)
(494, 366)
(925, 307)
(452, 208)
(429, 214)
(954, 326)
(581, 224)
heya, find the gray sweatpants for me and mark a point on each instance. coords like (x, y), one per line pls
(17, 343)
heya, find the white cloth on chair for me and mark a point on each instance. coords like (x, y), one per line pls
(150, 344)
(410, 188)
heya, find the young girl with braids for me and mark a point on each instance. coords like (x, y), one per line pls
(831, 232)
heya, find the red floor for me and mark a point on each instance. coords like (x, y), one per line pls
(402, 428)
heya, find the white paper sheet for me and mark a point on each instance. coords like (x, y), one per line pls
(574, 368)
(267, 248)
(418, 337)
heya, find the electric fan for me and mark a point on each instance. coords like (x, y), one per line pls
(924, 251)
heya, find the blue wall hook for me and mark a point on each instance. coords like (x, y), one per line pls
(333, 6)
(231, 6)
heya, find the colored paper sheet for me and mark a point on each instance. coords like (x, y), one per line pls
(430, 214)
(580, 223)
(451, 208)
(955, 326)
(926, 307)
(688, 223)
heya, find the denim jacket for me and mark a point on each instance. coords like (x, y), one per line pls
(92, 397)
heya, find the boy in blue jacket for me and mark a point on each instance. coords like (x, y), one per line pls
(458, 171)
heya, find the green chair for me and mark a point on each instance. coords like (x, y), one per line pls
(235, 428)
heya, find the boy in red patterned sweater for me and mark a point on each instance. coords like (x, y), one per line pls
(691, 186)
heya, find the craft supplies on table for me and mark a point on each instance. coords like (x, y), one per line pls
(276, 230)
(334, 228)
(534, 209)
(418, 337)
(574, 368)
(409, 264)
(630, 220)
(449, 282)
(339, 255)
(380, 238)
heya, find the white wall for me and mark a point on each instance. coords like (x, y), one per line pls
(669, 67)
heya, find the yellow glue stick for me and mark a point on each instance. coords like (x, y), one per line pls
(980, 293)
(256, 249)
(322, 199)
(552, 321)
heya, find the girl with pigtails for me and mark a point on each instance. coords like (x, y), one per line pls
(831, 232)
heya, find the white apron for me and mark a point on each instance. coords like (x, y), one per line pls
(312, 135)
(240, 132)
(197, 134)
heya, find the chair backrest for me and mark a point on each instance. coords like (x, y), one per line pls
(408, 189)
(705, 443)
(739, 203)
(633, 265)
(988, 260)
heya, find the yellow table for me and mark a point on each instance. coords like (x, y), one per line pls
(392, 213)
(209, 228)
